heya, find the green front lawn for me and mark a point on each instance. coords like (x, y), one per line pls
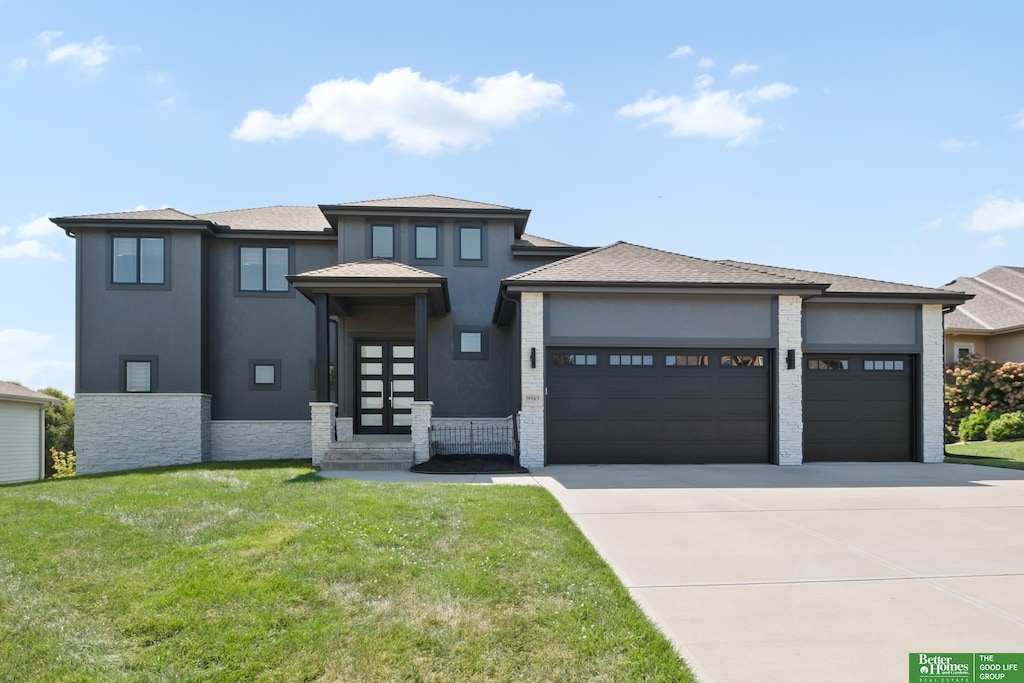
(993, 453)
(265, 572)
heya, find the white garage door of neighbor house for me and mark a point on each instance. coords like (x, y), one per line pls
(19, 442)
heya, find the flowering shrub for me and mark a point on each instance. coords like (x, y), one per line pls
(63, 464)
(978, 383)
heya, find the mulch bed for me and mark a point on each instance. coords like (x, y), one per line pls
(470, 464)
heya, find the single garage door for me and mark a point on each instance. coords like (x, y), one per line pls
(658, 406)
(858, 407)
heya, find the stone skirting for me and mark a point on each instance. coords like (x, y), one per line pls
(128, 431)
(260, 439)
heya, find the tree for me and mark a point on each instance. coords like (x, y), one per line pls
(60, 421)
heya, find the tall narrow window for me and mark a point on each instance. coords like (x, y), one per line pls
(138, 260)
(426, 242)
(262, 269)
(383, 241)
(471, 244)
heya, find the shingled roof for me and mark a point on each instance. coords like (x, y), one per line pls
(427, 201)
(165, 214)
(631, 264)
(840, 284)
(375, 268)
(273, 218)
(998, 303)
(10, 390)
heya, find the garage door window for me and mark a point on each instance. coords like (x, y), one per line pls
(631, 359)
(574, 359)
(828, 364)
(742, 361)
(686, 361)
(890, 365)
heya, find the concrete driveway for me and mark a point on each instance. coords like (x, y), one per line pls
(814, 573)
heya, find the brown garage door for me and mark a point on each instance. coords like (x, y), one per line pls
(858, 407)
(658, 406)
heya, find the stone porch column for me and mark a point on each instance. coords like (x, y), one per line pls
(322, 416)
(422, 412)
(932, 384)
(531, 423)
(790, 382)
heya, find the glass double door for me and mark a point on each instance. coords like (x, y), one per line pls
(384, 387)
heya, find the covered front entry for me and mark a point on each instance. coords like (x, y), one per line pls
(385, 387)
(858, 407)
(628, 406)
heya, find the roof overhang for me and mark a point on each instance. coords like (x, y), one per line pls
(42, 401)
(345, 292)
(71, 226)
(519, 217)
(948, 300)
(559, 252)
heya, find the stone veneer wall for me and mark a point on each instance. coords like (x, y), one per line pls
(932, 383)
(531, 423)
(128, 431)
(790, 382)
(321, 429)
(260, 440)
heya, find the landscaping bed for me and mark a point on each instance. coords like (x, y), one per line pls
(266, 572)
(470, 464)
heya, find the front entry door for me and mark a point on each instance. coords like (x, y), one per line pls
(384, 387)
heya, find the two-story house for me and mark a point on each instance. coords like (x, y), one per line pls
(285, 332)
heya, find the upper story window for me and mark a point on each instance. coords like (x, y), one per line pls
(262, 269)
(382, 241)
(471, 244)
(426, 242)
(138, 374)
(138, 261)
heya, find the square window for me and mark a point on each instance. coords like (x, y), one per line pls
(263, 374)
(426, 242)
(263, 269)
(471, 244)
(383, 241)
(899, 365)
(138, 376)
(137, 261)
(470, 342)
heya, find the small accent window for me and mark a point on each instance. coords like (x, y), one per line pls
(262, 269)
(138, 376)
(631, 359)
(470, 343)
(382, 239)
(890, 365)
(264, 374)
(471, 244)
(742, 361)
(828, 364)
(138, 261)
(426, 242)
(687, 361)
(963, 350)
(574, 359)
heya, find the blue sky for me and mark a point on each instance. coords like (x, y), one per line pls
(876, 139)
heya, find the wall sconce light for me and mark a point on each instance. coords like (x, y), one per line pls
(791, 359)
(533, 357)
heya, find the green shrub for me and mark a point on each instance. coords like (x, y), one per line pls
(978, 383)
(63, 464)
(972, 427)
(1009, 426)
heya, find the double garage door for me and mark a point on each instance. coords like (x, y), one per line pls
(715, 406)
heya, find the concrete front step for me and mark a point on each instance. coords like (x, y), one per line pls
(334, 465)
(368, 455)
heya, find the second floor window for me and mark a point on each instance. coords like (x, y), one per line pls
(383, 241)
(471, 244)
(262, 269)
(138, 261)
(426, 242)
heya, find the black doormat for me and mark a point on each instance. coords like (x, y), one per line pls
(470, 464)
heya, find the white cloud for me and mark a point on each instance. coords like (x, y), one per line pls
(85, 57)
(167, 101)
(715, 114)
(744, 69)
(46, 38)
(681, 51)
(933, 224)
(415, 115)
(1018, 120)
(18, 64)
(4, 229)
(770, 93)
(995, 214)
(40, 227)
(705, 62)
(156, 78)
(36, 359)
(954, 144)
(29, 249)
(703, 81)
(994, 242)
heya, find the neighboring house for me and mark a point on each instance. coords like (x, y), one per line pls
(992, 323)
(347, 332)
(22, 433)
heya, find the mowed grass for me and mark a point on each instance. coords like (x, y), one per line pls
(992, 453)
(265, 572)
